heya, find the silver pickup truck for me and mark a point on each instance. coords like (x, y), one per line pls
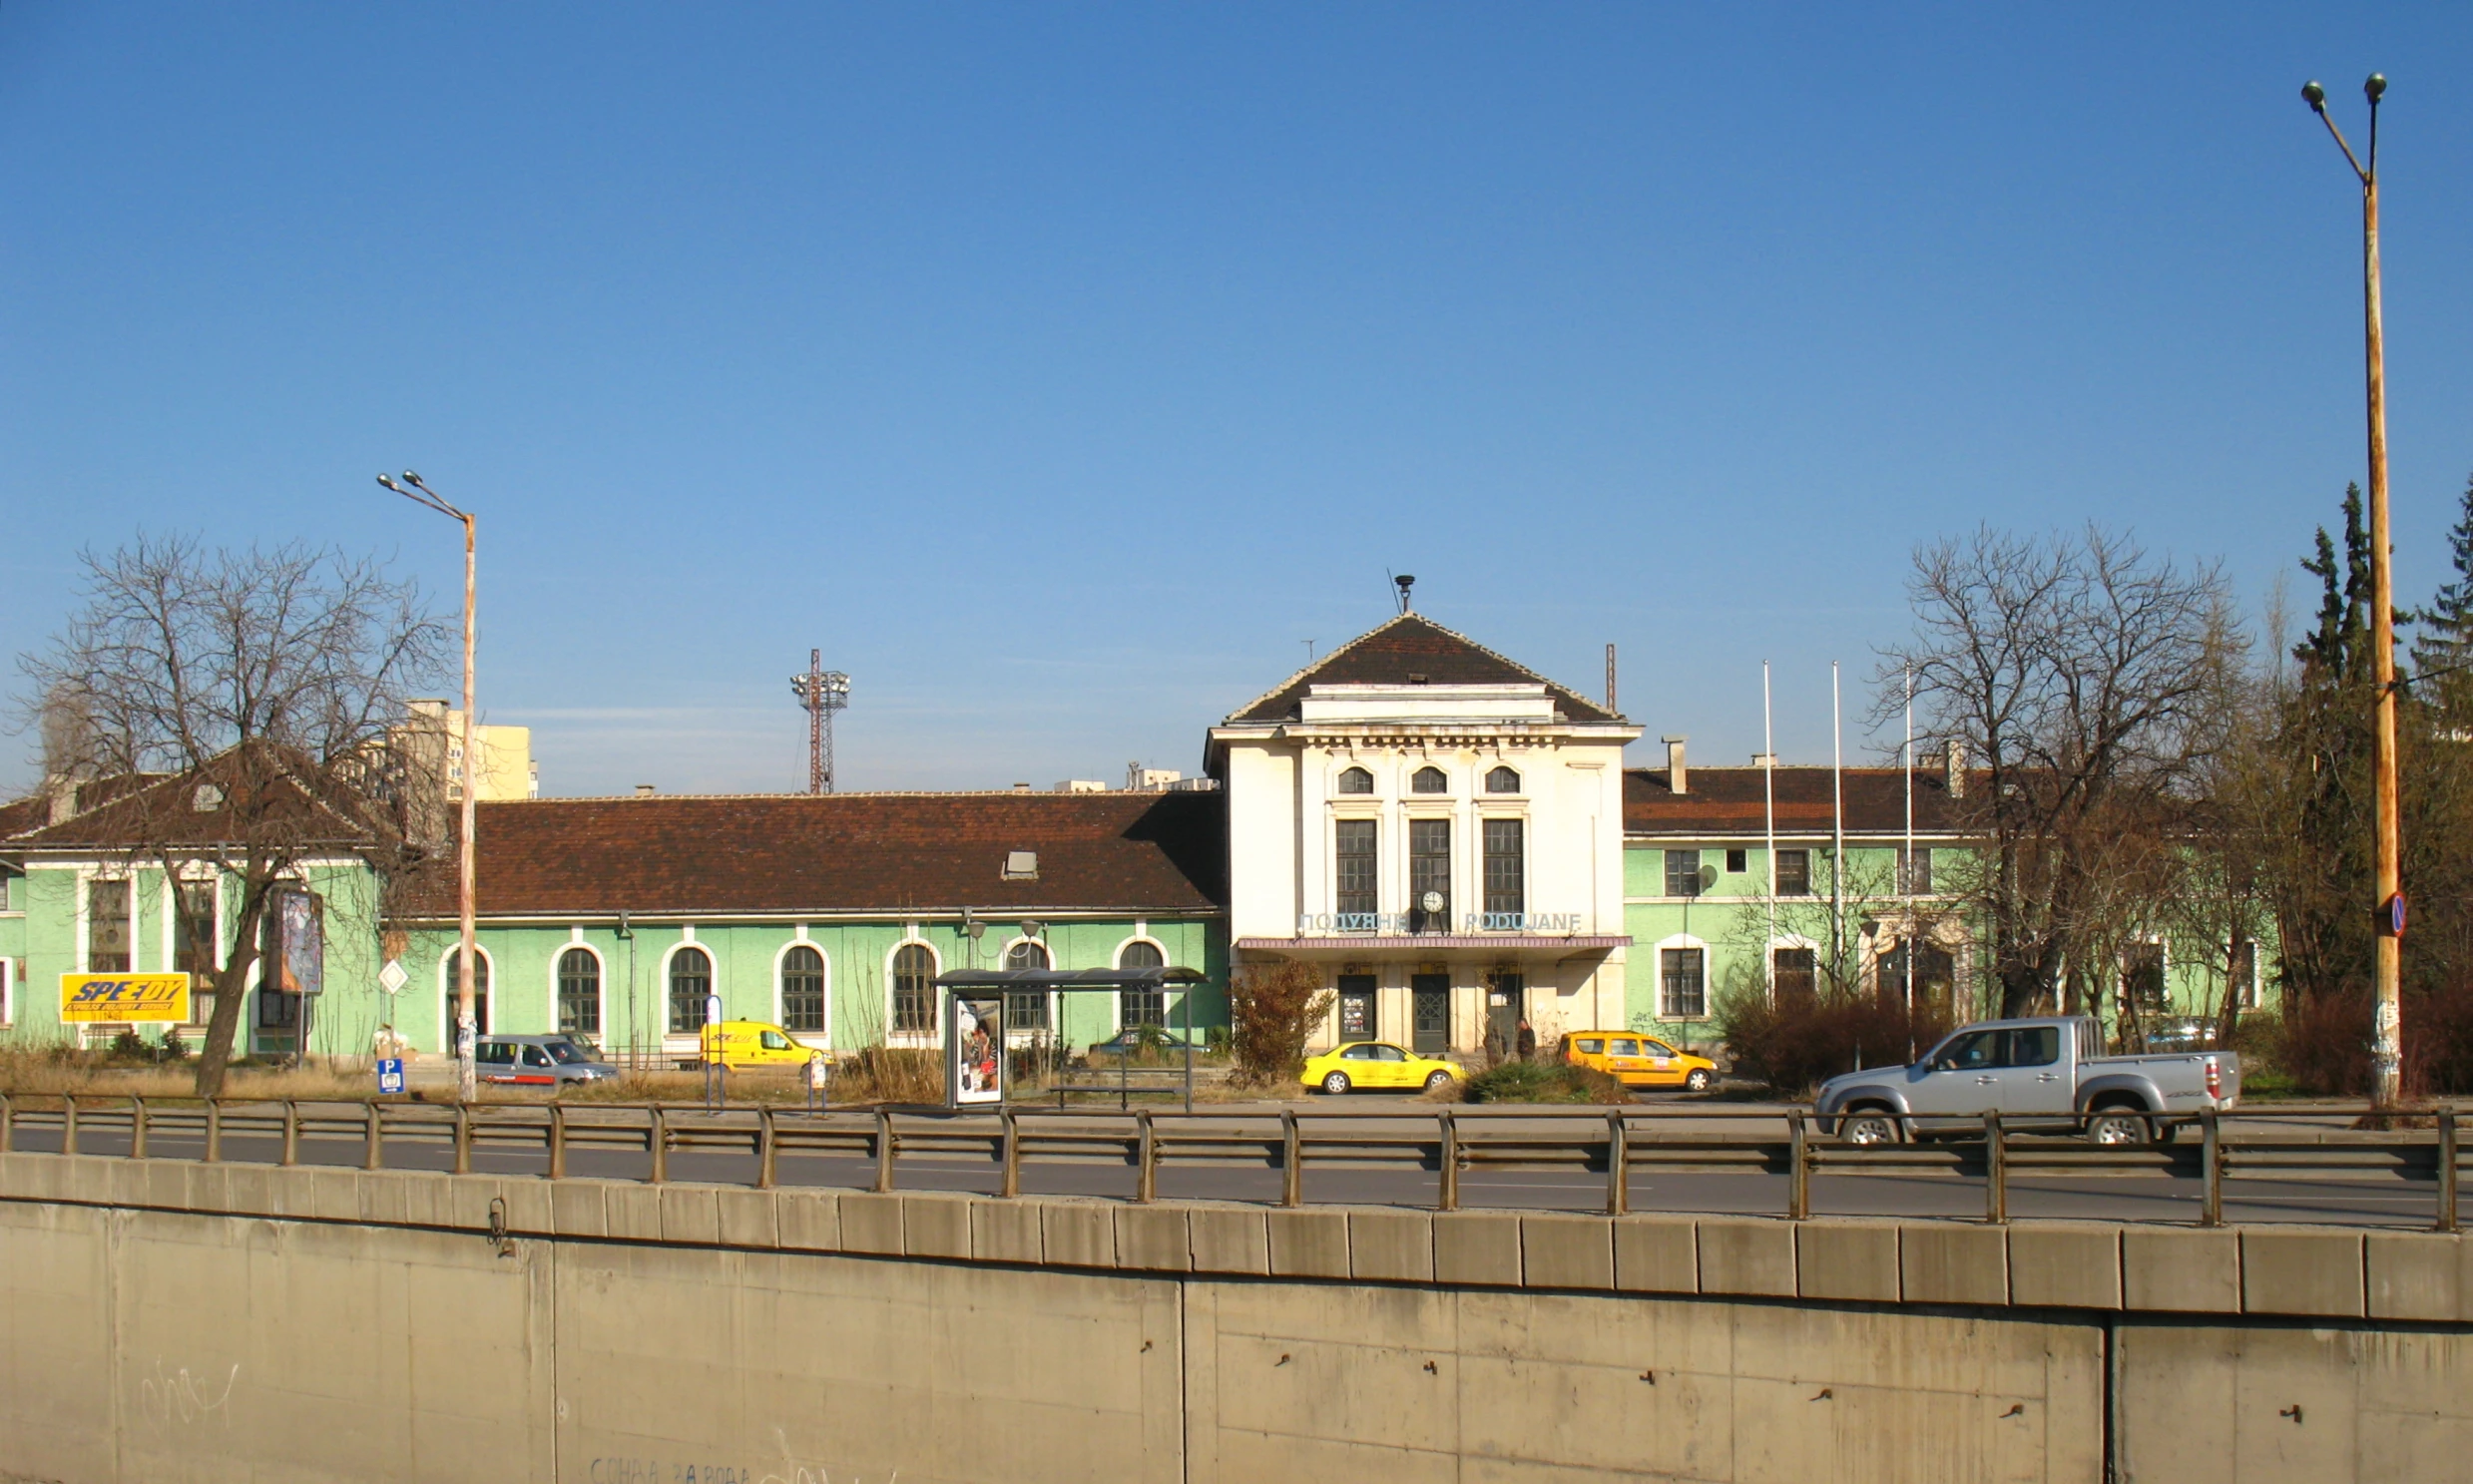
(2047, 1074)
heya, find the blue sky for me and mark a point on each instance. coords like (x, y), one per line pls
(1062, 370)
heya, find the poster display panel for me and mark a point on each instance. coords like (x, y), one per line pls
(974, 1039)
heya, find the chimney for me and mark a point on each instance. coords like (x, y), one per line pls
(644, 790)
(63, 799)
(1021, 787)
(1673, 763)
(1953, 768)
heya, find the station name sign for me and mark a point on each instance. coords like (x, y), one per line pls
(1400, 924)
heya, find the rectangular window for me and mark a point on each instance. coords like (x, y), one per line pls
(1797, 972)
(1794, 874)
(1916, 871)
(277, 1010)
(1354, 878)
(107, 927)
(1506, 856)
(1429, 875)
(6, 985)
(1683, 986)
(8, 891)
(1736, 861)
(192, 935)
(1683, 873)
(2142, 975)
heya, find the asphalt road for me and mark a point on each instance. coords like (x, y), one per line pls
(2349, 1199)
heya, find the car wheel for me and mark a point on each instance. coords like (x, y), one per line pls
(1697, 1082)
(1868, 1128)
(1335, 1084)
(1434, 1080)
(2116, 1128)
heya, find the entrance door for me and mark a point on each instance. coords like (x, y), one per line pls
(1357, 1008)
(1429, 1004)
(1503, 1010)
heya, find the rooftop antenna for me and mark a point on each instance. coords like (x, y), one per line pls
(1610, 681)
(822, 691)
(1403, 582)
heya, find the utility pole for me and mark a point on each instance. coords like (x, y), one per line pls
(2387, 963)
(822, 691)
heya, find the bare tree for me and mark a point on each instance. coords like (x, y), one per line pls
(2075, 672)
(234, 707)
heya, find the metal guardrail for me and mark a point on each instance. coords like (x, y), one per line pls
(1627, 1142)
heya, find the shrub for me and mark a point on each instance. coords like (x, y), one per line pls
(1798, 1041)
(1544, 1082)
(890, 1074)
(173, 1048)
(129, 1046)
(2324, 1042)
(1273, 1011)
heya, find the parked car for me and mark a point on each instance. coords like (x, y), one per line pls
(536, 1061)
(2047, 1073)
(740, 1044)
(1134, 1041)
(1361, 1064)
(1639, 1061)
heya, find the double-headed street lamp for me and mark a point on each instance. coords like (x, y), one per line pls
(465, 1030)
(2386, 969)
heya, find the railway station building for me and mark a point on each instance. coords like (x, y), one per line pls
(1452, 840)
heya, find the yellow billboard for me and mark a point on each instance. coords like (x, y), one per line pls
(86, 999)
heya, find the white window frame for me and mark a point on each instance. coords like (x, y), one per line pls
(661, 985)
(934, 1034)
(446, 993)
(782, 956)
(601, 978)
(1116, 1002)
(1657, 970)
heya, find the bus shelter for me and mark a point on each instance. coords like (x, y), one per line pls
(974, 1026)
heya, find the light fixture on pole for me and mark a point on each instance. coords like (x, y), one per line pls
(466, 1085)
(822, 691)
(2386, 965)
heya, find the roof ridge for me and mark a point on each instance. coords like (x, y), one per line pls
(852, 794)
(1304, 676)
(1311, 665)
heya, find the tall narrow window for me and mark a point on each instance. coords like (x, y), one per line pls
(1028, 1012)
(1915, 871)
(1506, 866)
(194, 945)
(1683, 987)
(579, 994)
(107, 927)
(691, 979)
(1683, 873)
(480, 994)
(1796, 971)
(1428, 780)
(1142, 1006)
(1794, 874)
(1429, 875)
(914, 991)
(1353, 873)
(1356, 781)
(803, 989)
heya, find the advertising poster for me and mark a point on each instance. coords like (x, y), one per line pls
(133, 999)
(974, 1037)
(303, 965)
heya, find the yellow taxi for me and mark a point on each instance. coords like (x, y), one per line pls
(1358, 1064)
(738, 1044)
(1636, 1060)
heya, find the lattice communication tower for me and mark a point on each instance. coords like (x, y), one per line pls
(822, 691)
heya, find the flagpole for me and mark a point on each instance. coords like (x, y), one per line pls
(1768, 815)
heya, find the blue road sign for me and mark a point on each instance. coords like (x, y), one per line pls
(390, 1074)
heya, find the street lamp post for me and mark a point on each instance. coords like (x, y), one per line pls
(465, 1030)
(2386, 970)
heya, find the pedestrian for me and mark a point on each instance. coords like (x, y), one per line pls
(1527, 1040)
(817, 1072)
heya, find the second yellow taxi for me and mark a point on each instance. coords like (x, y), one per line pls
(1639, 1061)
(1364, 1064)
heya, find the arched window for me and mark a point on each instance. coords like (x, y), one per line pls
(914, 990)
(1502, 780)
(1027, 1012)
(691, 979)
(1428, 780)
(579, 993)
(480, 992)
(803, 989)
(1356, 781)
(1142, 1006)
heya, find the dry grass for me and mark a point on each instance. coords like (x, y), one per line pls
(37, 1073)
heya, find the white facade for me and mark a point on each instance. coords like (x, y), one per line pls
(1540, 935)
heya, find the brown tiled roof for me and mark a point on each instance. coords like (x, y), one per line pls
(1727, 803)
(1401, 651)
(680, 855)
(20, 815)
(138, 810)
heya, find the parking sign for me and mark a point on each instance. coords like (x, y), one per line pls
(390, 1074)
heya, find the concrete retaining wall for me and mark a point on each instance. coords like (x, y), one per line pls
(165, 1321)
